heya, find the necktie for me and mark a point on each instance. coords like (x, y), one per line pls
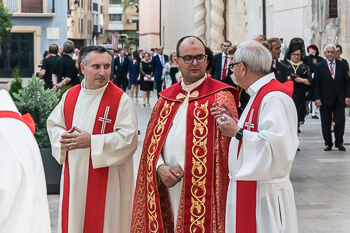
(224, 70)
(331, 69)
(162, 59)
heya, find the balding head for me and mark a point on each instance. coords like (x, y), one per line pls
(192, 59)
(192, 40)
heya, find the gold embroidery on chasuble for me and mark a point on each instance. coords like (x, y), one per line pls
(153, 224)
(199, 168)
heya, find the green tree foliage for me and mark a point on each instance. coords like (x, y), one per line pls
(16, 84)
(39, 103)
(130, 3)
(5, 22)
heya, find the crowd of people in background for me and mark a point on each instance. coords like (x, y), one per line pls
(149, 70)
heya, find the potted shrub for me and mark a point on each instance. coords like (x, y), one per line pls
(39, 103)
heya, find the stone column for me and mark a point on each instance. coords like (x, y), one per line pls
(199, 15)
(217, 24)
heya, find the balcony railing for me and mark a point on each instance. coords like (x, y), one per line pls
(46, 6)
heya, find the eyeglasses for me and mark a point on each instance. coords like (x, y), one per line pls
(232, 65)
(295, 55)
(189, 59)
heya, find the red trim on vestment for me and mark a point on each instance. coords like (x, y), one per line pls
(199, 166)
(246, 190)
(155, 144)
(98, 178)
(26, 118)
(68, 110)
(211, 86)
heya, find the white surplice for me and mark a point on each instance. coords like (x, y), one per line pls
(23, 199)
(175, 146)
(114, 150)
(266, 156)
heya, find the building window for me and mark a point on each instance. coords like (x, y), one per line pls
(32, 6)
(17, 50)
(115, 17)
(115, 1)
(333, 9)
(95, 7)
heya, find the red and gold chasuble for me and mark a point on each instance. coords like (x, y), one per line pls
(246, 190)
(198, 186)
(97, 178)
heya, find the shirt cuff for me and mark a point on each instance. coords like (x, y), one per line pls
(182, 164)
(160, 162)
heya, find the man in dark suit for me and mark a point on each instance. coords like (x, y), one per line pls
(121, 66)
(331, 86)
(114, 55)
(158, 62)
(221, 61)
(280, 70)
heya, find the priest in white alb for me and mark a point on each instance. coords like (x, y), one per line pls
(23, 198)
(264, 142)
(93, 133)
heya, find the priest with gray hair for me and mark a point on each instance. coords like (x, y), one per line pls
(263, 146)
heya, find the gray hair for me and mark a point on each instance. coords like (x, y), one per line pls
(255, 56)
(328, 46)
(68, 46)
(92, 48)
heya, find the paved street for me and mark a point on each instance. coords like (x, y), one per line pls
(320, 179)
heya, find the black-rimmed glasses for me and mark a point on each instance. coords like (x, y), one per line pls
(232, 65)
(189, 59)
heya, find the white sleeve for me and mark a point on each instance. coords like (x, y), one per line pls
(117, 147)
(270, 152)
(55, 127)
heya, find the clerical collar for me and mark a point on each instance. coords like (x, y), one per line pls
(83, 87)
(295, 64)
(192, 86)
(258, 84)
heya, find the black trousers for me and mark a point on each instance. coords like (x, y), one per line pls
(337, 110)
(159, 86)
(122, 83)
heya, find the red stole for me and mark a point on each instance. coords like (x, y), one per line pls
(199, 161)
(246, 190)
(26, 118)
(97, 178)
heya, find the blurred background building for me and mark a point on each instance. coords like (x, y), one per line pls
(148, 23)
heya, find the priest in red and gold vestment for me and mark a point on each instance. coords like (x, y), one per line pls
(183, 174)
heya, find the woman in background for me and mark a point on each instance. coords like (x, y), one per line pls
(299, 73)
(134, 74)
(146, 80)
(173, 68)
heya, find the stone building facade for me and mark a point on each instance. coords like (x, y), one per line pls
(239, 20)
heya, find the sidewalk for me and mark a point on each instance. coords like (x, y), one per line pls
(320, 179)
